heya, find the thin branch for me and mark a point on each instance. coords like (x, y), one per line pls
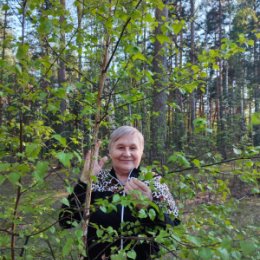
(58, 56)
(13, 227)
(24, 245)
(120, 37)
(51, 250)
(9, 232)
(215, 163)
(168, 250)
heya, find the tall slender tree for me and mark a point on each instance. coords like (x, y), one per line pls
(159, 101)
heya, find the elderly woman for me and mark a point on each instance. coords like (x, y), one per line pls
(139, 205)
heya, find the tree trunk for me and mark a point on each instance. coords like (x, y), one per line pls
(159, 65)
(192, 97)
(79, 42)
(220, 109)
(61, 63)
(21, 141)
(256, 127)
(3, 58)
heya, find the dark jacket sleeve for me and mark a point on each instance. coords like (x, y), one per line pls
(73, 211)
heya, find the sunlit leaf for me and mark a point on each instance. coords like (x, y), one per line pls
(256, 118)
(32, 150)
(13, 177)
(131, 254)
(60, 139)
(40, 170)
(65, 158)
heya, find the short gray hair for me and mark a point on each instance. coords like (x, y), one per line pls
(122, 131)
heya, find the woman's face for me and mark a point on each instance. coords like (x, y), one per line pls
(126, 153)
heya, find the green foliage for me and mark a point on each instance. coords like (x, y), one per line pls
(46, 124)
(179, 159)
(256, 118)
(200, 125)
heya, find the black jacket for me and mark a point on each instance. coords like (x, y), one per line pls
(120, 214)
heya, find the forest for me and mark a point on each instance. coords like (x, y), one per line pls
(186, 73)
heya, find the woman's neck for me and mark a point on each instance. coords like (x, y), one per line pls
(123, 177)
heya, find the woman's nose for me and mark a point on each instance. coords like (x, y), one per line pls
(127, 152)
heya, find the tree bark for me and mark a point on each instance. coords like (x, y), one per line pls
(3, 58)
(256, 128)
(159, 101)
(61, 63)
(192, 59)
(220, 109)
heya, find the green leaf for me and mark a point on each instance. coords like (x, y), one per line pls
(18, 69)
(13, 177)
(52, 229)
(53, 107)
(224, 254)
(32, 150)
(69, 189)
(67, 246)
(139, 56)
(45, 26)
(116, 198)
(78, 233)
(196, 162)
(5, 7)
(215, 67)
(121, 255)
(2, 179)
(65, 158)
(179, 159)
(205, 254)
(152, 214)
(177, 27)
(248, 247)
(142, 213)
(100, 232)
(65, 201)
(236, 255)
(194, 240)
(40, 170)
(4, 166)
(103, 208)
(148, 176)
(254, 190)
(162, 38)
(256, 118)
(22, 51)
(237, 151)
(60, 92)
(131, 254)
(60, 139)
(200, 124)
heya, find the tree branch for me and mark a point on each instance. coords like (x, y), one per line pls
(215, 163)
(120, 37)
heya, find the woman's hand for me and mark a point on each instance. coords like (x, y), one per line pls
(98, 165)
(136, 185)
